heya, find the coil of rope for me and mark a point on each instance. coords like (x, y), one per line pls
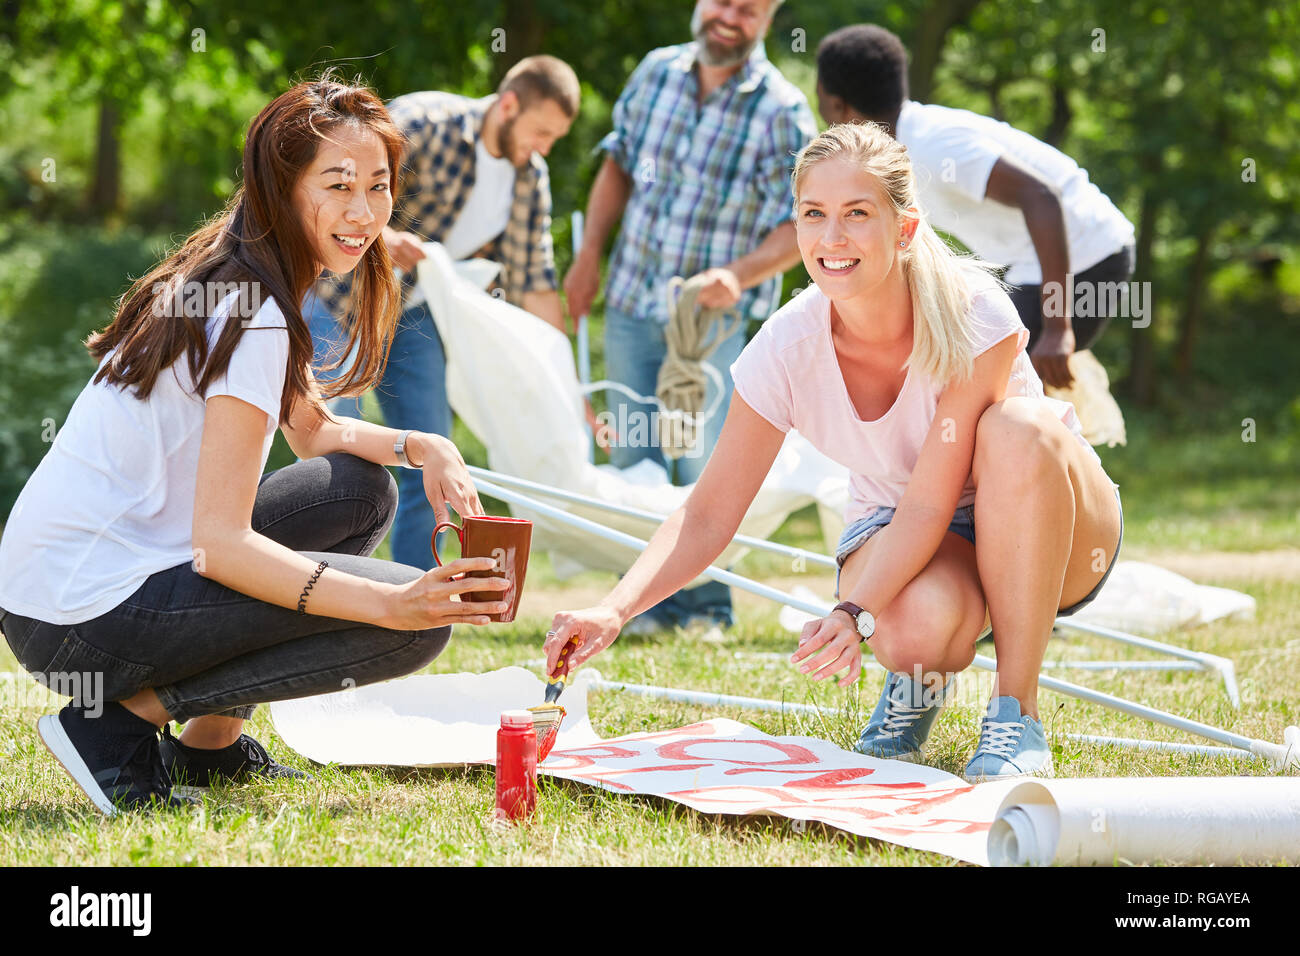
(692, 335)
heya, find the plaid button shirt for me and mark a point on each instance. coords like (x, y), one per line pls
(709, 180)
(438, 170)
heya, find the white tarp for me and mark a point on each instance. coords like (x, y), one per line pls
(1147, 599)
(425, 720)
(511, 378)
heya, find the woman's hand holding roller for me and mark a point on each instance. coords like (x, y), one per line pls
(595, 627)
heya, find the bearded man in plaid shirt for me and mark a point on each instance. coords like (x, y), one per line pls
(699, 164)
(474, 179)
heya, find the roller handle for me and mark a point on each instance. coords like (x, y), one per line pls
(555, 683)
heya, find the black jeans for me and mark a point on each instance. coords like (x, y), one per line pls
(207, 649)
(1028, 300)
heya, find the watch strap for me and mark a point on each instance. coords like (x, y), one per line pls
(399, 449)
(855, 612)
(849, 608)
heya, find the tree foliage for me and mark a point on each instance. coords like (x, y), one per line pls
(125, 119)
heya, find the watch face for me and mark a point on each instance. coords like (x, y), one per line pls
(866, 624)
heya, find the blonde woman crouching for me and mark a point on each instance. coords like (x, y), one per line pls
(972, 496)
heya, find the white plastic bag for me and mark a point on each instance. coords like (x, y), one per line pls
(1096, 408)
(1146, 599)
(511, 378)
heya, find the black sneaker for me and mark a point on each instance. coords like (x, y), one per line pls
(113, 758)
(243, 760)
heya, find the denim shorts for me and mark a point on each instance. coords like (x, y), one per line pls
(963, 523)
(861, 531)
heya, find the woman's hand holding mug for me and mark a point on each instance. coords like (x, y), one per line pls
(432, 600)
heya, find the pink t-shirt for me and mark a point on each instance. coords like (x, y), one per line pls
(789, 374)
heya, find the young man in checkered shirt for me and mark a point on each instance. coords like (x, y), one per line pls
(474, 179)
(698, 166)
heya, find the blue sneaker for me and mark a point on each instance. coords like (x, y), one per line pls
(902, 720)
(1011, 745)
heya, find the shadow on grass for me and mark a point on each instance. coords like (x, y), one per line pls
(55, 816)
(469, 773)
(45, 816)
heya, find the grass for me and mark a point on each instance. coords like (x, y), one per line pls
(1210, 491)
(395, 816)
(1191, 485)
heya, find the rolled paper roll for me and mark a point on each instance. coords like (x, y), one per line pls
(1218, 820)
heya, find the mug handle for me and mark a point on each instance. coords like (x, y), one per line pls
(433, 539)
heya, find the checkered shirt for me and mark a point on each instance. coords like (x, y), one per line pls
(709, 180)
(438, 170)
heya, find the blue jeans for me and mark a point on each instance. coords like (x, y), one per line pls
(329, 341)
(413, 394)
(634, 351)
(205, 648)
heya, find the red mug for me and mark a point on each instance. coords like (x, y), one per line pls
(488, 536)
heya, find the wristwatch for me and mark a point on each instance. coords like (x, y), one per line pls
(863, 619)
(399, 449)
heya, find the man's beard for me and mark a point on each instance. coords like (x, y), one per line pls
(711, 55)
(506, 143)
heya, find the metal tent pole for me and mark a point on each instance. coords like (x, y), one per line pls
(1213, 663)
(584, 346)
(1286, 754)
(1165, 745)
(1210, 662)
(760, 544)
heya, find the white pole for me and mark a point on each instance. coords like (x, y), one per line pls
(1136, 744)
(597, 682)
(760, 544)
(1287, 754)
(1210, 662)
(1201, 661)
(584, 347)
(1122, 665)
(773, 657)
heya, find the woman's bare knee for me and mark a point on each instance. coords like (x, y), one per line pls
(1016, 441)
(921, 626)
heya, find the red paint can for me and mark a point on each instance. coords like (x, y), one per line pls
(516, 765)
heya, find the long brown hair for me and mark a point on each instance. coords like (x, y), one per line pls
(258, 247)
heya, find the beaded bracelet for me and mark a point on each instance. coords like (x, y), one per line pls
(302, 599)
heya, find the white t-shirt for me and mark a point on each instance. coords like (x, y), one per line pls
(953, 152)
(112, 501)
(486, 212)
(789, 374)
